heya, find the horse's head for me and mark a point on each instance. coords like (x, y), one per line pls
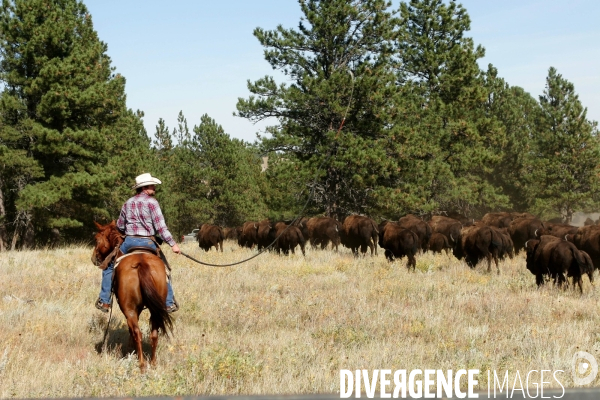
(106, 239)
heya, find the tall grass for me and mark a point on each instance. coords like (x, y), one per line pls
(283, 324)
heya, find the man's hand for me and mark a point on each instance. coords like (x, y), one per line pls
(176, 249)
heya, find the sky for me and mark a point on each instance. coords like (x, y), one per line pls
(196, 56)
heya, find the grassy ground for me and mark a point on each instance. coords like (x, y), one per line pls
(284, 324)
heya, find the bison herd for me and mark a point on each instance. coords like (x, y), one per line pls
(554, 251)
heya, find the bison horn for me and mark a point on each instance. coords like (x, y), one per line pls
(535, 233)
(451, 238)
(526, 243)
(566, 237)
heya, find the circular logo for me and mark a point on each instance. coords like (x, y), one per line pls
(584, 368)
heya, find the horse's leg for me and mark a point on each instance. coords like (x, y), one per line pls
(153, 343)
(136, 335)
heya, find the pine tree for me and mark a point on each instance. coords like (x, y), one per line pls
(67, 105)
(230, 175)
(563, 173)
(18, 167)
(444, 140)
(335, 114)
(207, 176)
(163, 167)
(518, 113)
(186, 194)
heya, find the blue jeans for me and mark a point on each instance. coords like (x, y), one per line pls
(107, 274)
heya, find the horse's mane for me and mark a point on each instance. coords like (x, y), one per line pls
(111, 233)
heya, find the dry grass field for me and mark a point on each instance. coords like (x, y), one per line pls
(284, 324)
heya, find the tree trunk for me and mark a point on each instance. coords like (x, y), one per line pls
(3, 237)
(15, 239)
(568, 216)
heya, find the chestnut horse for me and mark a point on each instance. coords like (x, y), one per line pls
(139, 281)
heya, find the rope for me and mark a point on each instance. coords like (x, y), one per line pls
(277, 238)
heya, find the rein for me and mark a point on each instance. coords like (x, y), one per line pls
(109, 258)
(109, 316)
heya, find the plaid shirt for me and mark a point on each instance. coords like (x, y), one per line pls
(141, 216)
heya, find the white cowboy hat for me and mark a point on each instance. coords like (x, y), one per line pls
(146, 180)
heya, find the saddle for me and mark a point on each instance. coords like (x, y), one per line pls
(143, 249)
(117, 255)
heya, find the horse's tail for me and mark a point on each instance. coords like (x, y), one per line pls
(153, 300)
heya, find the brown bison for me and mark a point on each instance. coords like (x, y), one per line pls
(497, 219)
(507, 248)
(418, 226)
(247, 234)
(439, 242)
(288, 237)
(558, 230)
(460, 218)
(479, 242)
(263, 236)
(503, 219)
(301, 223)
(558, 259)
(399, 242)
(589, 221)
(359, 232)
(210, 235)
(448, 227)
(587, 238)
(523, 229)
(322, 230)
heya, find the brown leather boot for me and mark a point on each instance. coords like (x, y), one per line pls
(104, 307)
(174, 307)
